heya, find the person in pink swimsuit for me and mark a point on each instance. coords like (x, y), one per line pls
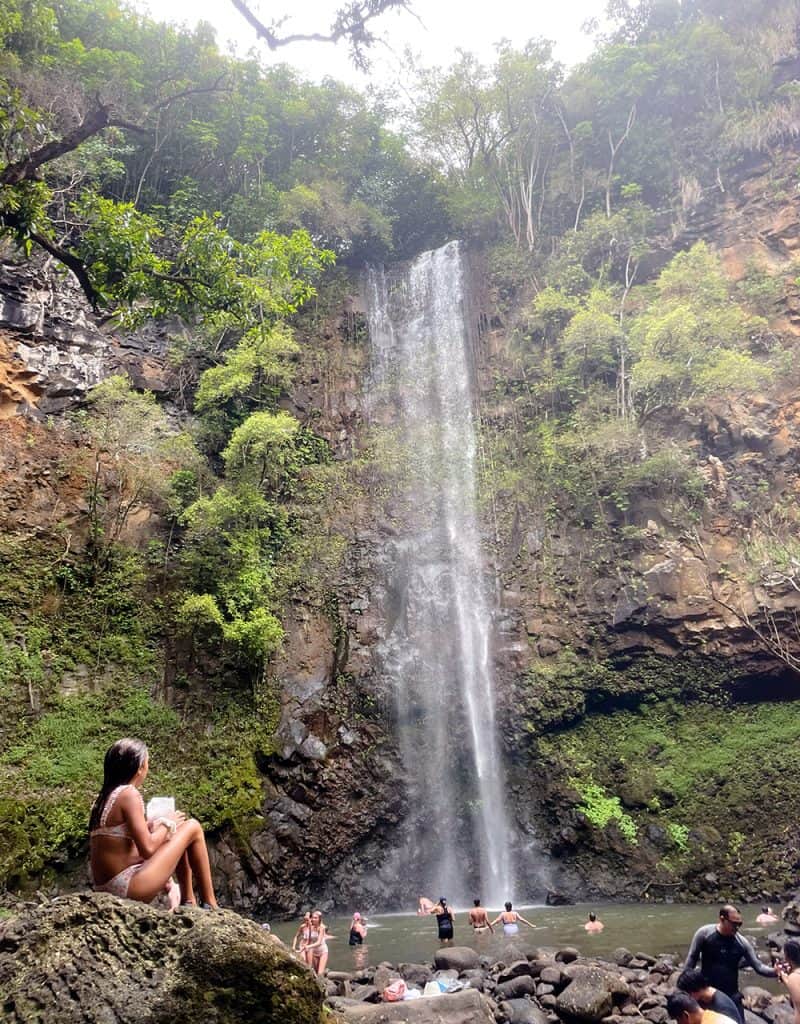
(134, 858)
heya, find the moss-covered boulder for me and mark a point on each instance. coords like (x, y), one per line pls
(93, 957)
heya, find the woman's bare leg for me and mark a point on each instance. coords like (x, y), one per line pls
(150, 879)
(197, 856)
(320, 962)
(184, 872)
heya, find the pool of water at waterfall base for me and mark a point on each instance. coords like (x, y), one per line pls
(640, 927)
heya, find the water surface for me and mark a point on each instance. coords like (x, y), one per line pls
(649, 928)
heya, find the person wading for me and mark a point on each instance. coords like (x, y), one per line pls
(479, 919)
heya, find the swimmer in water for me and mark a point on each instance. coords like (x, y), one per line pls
(766, 917)
(479, 919)
(425, 905)
(444, 920)
(510, 920)
(593, 925)
(358, 930)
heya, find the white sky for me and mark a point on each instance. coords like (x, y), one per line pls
(441, 27)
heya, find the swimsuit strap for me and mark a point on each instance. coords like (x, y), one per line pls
(110, 801)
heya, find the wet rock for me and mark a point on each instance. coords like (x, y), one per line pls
(622, 956)
(590, 993)
(791, 916)
(384, 975)
(514, 970)
(756, 998)
(99, 958)
(466, 1007)
(567, 955)
(459, 958)
(524, 985)
(550, 975)
(657, 1015)
(548, 1002)
(522, 1011)
(778, 1013)
(416, 974)
(365, 993)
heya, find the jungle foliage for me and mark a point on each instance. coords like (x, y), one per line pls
(173, 181)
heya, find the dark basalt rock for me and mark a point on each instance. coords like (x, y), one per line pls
(94, 957)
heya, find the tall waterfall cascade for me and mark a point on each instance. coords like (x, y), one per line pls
(436, 654)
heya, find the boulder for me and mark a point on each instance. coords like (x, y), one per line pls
(567, 955)
(550, 976)
(621, 956)
(459, 958)
(514, 970)
(95, 957)
(589, 995)
(516, 988)
(522, 1011)
(465, 1007)
(756, 998)
(416, 974)
(779, 1013)
(791, 916)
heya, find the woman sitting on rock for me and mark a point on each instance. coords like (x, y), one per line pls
(134, 858)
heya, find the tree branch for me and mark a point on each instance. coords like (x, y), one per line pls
(351, 22)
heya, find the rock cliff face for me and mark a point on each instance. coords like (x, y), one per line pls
(581, 632)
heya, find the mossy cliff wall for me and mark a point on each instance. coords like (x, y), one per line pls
(647, 699)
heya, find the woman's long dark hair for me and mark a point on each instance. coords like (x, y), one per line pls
(122, 761)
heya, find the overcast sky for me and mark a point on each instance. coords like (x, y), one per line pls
(440, 28)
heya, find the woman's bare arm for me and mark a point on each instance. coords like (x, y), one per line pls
(147, 842)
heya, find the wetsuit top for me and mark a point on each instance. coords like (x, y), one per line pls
(720, 956)
(356, 938)
(445, 923)
(722, 1004)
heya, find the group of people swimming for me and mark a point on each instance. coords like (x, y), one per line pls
(508, 918)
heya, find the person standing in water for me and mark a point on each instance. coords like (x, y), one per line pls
(479, 919)
(444, 919)
(510, 920)
(766, 917)
(720, 949)
(316, 950)
(358, 930)
(593, 925)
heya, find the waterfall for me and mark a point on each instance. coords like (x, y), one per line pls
(436, 653)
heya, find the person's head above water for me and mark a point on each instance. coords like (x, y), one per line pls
(692, 982)
(592, 916)
(766, 910)
(685, 1010)
(356, 916)
(476, 903)
(730, 920)
(443, 901)
(508, 905)
(791, 950)
(124, 761)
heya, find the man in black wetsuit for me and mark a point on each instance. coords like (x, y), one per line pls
(721, 949)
